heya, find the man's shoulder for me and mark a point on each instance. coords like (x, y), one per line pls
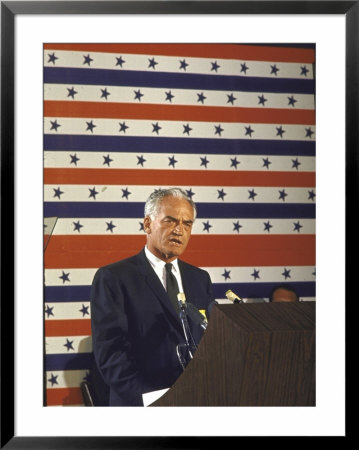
(122, 264)
(190, 267)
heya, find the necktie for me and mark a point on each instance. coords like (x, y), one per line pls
(172, 286)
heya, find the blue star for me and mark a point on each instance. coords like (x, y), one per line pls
(142, 227)
(187, 129)
(156, 128)
(52, 58)
(107, 160)
(292, 101)
(78, 226)
(105, 93)
(206, 226)
(282, 195)
(274, 69)
(215, 66)
(262, 100)
(110, 226)
(219, 130)
(226, 274)
(123, 127)
(68, 345)
(125, 193)
(297, 226)
(152, 63)
(201, 97)
(74, 159)
(141, 160)
(280, 131)
(244, 68)
(237, 226)
(311, 195)
(72, 92)
(308, 132)
(172, 161)
(249, 131)
(304, 70)
(64, 277)
(90, 126)
(266, 162)
(49, 311)
(252, 194)
(58, 192)
(221, 194)
(87, 59)
(255, 274)
(286, 273)
(267, 226)
(169, 96)
(296, 163)
(120, 61)
(204, 161)
(138, 95)
(93, 193)
(54, 125)
(231, 98)
(190, 193)
(183, 65)
(234, 162)
(53, 379)
(84, 310)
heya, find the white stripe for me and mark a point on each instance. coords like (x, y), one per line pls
(266, 274)
(157, 161)
(138, 62)
(67, 310)
(84, 277)
(123, 227)
(144, 128)
(65, 378)
(115, 193)
(68, 345)
(157, 96)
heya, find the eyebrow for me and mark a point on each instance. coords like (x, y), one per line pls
(189, 221)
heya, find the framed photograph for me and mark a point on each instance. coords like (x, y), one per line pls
(66, 140)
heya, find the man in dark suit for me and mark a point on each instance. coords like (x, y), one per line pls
(136, 327)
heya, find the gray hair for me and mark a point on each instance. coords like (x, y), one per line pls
(153, 201)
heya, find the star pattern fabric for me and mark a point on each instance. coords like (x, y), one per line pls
(237, 132)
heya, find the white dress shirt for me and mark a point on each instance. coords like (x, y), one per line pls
(159, 267)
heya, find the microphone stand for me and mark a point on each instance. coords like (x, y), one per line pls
(186, 330)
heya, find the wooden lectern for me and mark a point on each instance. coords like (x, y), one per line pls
(258, 354)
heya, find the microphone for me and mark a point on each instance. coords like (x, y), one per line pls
(233, 297)
(191, 311)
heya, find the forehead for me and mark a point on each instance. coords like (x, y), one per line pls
(174, 206)
(283, 293)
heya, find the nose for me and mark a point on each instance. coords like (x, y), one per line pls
(178, 229)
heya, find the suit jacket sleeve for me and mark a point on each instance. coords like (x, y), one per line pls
(111, 346)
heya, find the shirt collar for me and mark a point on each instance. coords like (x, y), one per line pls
(157, 262)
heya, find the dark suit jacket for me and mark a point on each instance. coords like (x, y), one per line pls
(135, 329)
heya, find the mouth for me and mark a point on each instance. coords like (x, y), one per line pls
(175, 241)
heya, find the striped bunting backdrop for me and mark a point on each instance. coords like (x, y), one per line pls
(234, 125)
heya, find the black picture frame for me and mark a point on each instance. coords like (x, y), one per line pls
(9, 10)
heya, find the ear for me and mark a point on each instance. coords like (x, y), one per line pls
(147, 224)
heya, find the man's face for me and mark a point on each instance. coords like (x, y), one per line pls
(169, 232)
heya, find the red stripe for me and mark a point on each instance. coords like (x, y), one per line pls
(177, 177)
(64, 396)
(222, 51)
(204, 251)
(75, 327)
(182, 113)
